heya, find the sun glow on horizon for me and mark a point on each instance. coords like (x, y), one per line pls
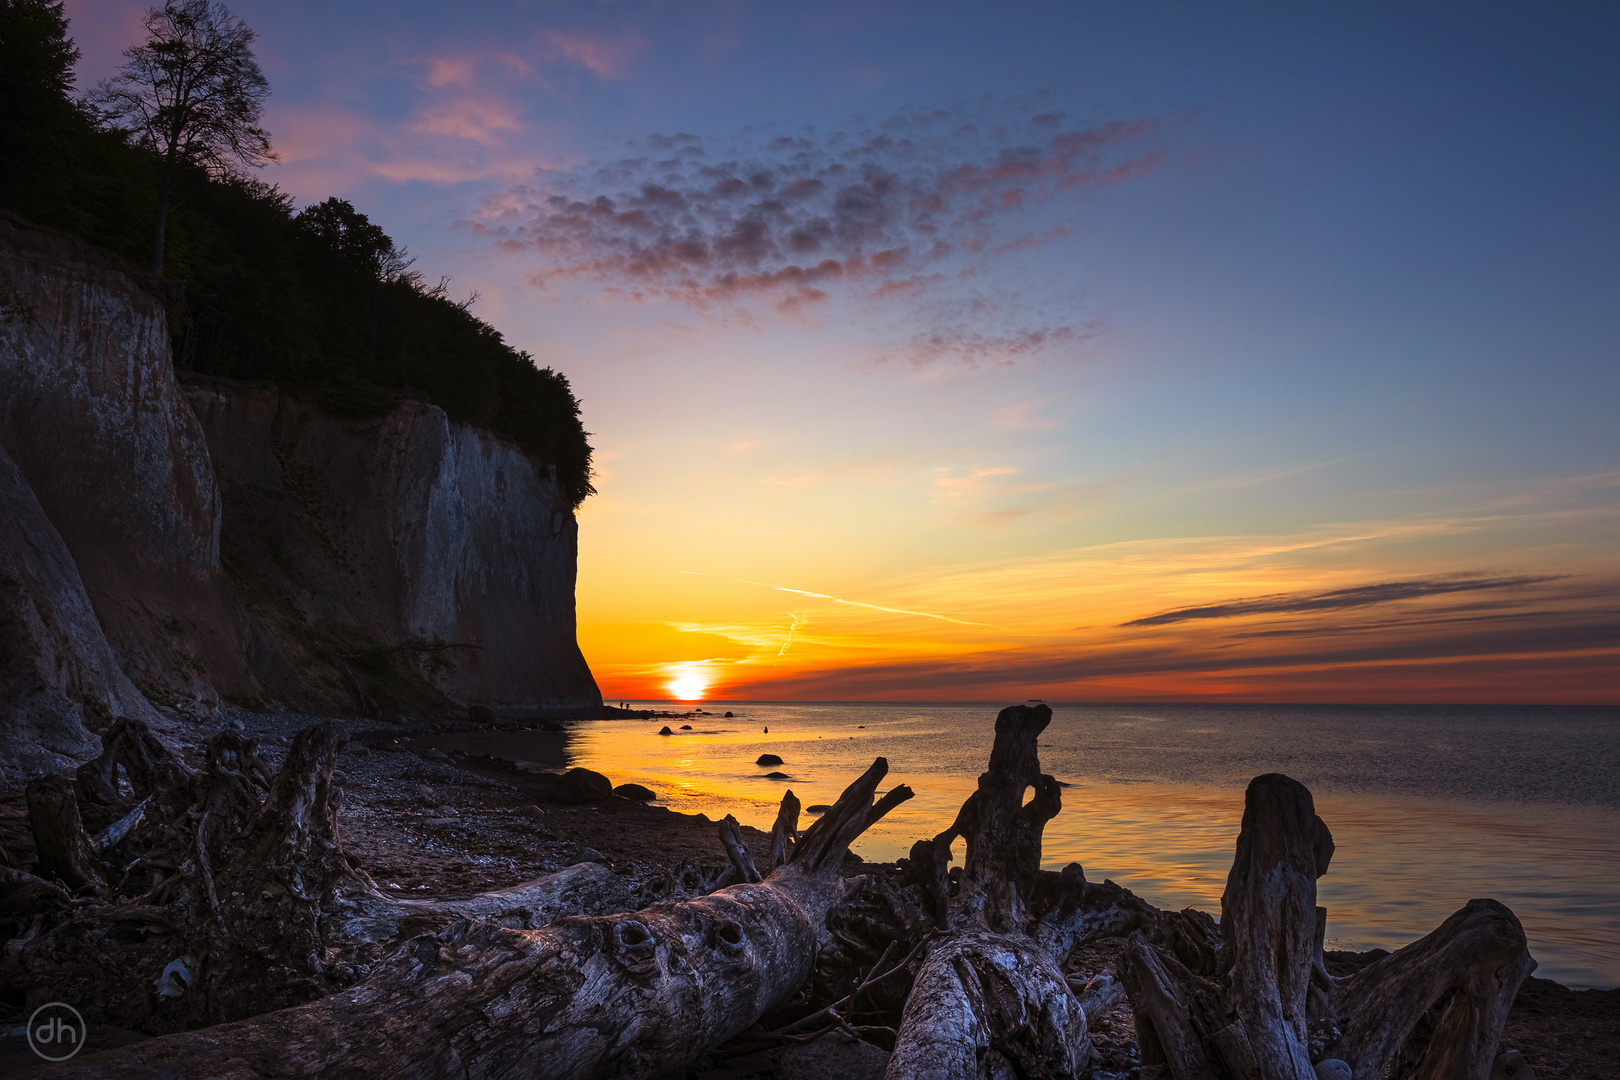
(689, 681)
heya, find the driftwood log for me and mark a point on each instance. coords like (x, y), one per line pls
(627, 995)
(1264, 1006)
(219, 893)
(990, 1000)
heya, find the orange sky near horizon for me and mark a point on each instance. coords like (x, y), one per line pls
(1350, 612)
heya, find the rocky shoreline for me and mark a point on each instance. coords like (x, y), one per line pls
(427, 823)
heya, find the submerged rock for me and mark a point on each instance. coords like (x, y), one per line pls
(635, 792)
(665, 730)
(777, 776)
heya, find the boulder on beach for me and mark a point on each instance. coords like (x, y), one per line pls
(582, 786)
(635, 793)
(589, 854)
(481, 714)
(768, 759)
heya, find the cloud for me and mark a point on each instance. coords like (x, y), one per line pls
(891, 211)
(1579, 642)
(974, 348)
(605, 56)
(849, 603)
(465, 120)
(1338, 599)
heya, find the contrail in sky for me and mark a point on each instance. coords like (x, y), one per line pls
(839, 600)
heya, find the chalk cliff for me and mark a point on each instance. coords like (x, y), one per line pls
(397, 545)
(221, 541)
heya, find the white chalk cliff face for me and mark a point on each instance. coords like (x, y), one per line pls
(222, 541)
(411, 528)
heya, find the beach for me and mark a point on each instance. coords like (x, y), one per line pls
(431, 822)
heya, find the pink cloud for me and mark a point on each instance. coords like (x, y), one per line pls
(604, 57)
(480, 119)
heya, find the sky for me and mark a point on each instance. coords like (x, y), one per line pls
(1081, 351)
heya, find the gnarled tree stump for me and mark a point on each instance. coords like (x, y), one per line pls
(989, 999)
(1431, 1011)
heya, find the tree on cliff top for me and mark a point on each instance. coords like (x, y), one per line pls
(36, 79)
(193, 95)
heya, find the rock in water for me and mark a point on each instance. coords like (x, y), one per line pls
(1332, 1069)
(665, 730)
(582, 786)
(768, 759)
(777, 776)
(635, 792)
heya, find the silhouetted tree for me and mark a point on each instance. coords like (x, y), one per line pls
(36, 115)
(193, 95)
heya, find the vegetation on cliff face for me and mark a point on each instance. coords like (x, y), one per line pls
(320, 301)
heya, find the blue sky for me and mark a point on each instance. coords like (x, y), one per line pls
(1217, 282)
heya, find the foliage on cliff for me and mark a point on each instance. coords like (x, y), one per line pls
(319, 300)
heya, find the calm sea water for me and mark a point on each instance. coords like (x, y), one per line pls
(1429, 805)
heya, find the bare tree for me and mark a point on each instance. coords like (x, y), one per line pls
(193, 95)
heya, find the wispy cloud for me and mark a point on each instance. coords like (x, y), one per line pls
(848, 603)
(1583, 642)
(607, 56)
(1337, 599)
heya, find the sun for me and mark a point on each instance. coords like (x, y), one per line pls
(688, 682)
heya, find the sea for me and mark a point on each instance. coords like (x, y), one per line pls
(1429, 805)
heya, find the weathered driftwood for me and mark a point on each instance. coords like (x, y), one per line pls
(989, 999)
(235, 873)
(64, 850)
(1435, 1009)
(1432, 1011)
(631, 995)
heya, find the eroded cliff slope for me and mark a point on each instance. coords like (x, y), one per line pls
(232, 542)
